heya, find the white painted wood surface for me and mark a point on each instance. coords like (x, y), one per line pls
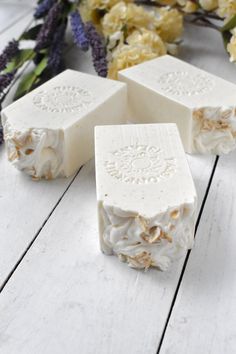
(24, 204)
(66, 297)
(11, 13)
(204, 315)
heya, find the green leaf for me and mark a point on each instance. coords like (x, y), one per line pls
(226, 38)
(23, 56)
(25, 85)
(230, 24)
(29, 80)
(41, 66)
(32, 33)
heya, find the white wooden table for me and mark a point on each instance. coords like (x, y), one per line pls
(59, 294)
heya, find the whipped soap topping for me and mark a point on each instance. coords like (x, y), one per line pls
(37, 152)
(143, 242)
(214, 130)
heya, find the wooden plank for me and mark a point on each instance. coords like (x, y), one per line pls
(204, 316)
(67, 297)
(24, 206)
(20, 197)
(11, 14)
(194, 325)
(15, 30)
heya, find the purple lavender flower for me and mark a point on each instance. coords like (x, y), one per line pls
(43, 8)
(98, 49)
(55, 53)
(78, 31)
(47, 30)
(1, 134)
(5, 80)
(9, 52)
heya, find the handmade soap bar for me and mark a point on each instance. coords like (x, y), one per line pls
(203, 106)
(145, 192)
(50, 131)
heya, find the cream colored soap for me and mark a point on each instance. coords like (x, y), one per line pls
(146, 196)
(168, 90)
(50, 131)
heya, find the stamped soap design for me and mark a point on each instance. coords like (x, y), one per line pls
(145, 192)
(49, 132)
(63, 99)
(168, 90)
(184, 83)
(140, 164)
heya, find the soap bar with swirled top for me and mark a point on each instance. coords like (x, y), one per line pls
(50, 131)
(168, 90)
(145, 192)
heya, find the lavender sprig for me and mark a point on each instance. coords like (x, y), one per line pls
(9, 52)
(43, 8)
(46, 33)
(5, 80)
(1, 134)
(78, 31)
(98, 49)
(55, 53)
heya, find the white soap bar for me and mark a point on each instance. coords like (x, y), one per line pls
(50, 131)
(168, 90)
(145, 192)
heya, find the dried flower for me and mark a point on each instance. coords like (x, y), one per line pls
(208, 5)
(43, 8)
(169, 24)
(166, 2)
(9, 52)
(128, 55)
(227, 8)
(231, 47)
(98, 49)
(78, 31)
(129, 15)
(190, 7)
(5, 80)
(102, 4)
(147, 38)
(46, 33)
(55, 53)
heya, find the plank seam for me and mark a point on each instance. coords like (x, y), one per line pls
(188, 255)
(25, 14)
(37, 234)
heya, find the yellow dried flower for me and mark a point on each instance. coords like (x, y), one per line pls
(114, 19)
(169, 24)
(209, 5)
(147, 38)
(227, 8)
(137, 16)
(130, 15)
(190, 7)
(166, 2)
(231, 47)
(103, 4)
(128, 55)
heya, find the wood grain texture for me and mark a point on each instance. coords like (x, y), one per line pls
(24, 204)
(11, 14)
(67, 297)
(204, 316)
